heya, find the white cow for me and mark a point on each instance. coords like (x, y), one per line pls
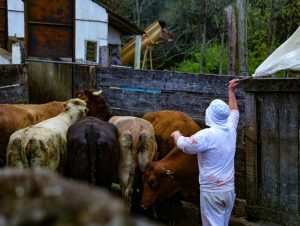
(45, 144)
(137, 148)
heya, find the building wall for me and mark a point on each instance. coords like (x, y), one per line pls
(92, 25)
(15, 18)
(114, 36)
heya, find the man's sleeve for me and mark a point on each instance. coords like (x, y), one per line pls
(234, 118)
(195, 143)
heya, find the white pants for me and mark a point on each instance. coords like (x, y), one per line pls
(216, 207)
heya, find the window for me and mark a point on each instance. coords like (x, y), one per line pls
(91, 51)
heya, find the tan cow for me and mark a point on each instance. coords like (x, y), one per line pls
(18, 116)
(137, 148)
(45, 144)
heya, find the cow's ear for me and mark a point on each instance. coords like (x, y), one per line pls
(79, 93)
(66, 106)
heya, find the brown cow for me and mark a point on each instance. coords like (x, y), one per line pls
(95, 103)
(177, 172)
(18, 116)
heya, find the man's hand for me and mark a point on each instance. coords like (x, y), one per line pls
(232, 84)
(231, 97)
(175, 135)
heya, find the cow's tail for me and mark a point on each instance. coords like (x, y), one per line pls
(36, 151)
(15, 154)
(92, 137)
(127, 162)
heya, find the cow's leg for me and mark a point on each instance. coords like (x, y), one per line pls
(126, 173)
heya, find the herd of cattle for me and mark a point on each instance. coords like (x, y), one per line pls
(80, 139)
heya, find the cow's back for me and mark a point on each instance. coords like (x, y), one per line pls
(18, 116)
(166, 122)
(93, 151)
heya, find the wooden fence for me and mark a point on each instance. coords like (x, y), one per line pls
(135, 92)
(272, 149)
(13, 84)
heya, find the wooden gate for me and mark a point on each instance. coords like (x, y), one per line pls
(49, 28)
(272, 149)
(3, 24)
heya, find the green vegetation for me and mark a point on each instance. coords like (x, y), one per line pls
(200, 27)
(212, 64)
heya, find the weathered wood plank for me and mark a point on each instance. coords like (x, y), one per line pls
(272, 85)
(84, 77)
(272, 215)
(165, 80)
(251, 147)
(269, 151)
(12, 74)
(289, 152)
(191, 103)
(17, 94)
(13, 84)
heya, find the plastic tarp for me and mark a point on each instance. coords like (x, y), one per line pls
(286, 56)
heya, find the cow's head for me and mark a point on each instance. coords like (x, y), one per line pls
(159, 184)
(76, 107)
(95, 103)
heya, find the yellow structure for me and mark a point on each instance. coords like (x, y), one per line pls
(152, 34)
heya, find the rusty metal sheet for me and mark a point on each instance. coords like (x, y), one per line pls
(50, 41)
(51, 11)
(3, 24)
(50, 28)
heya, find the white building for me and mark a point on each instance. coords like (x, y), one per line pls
(94, 26)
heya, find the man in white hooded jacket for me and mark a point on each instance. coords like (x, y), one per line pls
(215, 149)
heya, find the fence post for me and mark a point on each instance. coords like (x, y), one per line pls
(103, 56)
(242, 38)
(231, 33)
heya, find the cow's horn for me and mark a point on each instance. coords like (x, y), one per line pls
(97, 93)
(170, 174)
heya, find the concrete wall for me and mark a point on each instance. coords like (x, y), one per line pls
(48, 82)
(15, 18)
(91, 25)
